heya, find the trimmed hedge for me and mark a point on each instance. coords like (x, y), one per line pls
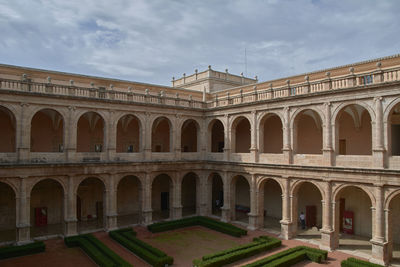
(127, 238)
(292, 256)
(222, 227)
(96, 250)
(353, 262)
(260, 244)
(17, 251)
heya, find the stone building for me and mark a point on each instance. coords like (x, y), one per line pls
(80, 153)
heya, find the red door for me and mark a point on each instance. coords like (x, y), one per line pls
(311, 216)
(40, 216)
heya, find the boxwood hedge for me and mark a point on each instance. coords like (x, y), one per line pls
(154, 256)
(222, 227)
(16, 251)
(353, 262)
(95, 249)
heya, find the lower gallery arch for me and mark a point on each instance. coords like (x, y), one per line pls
(393, 233)
(161, 197)
(270, 205)
(307, 200)
(189, 194)
(47, 208)
(90, 204)
(216, 194)
(7, 213)
(353, 207)
(240, 199)
(129, 201)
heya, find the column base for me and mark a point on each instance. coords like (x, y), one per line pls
(70, 155)
(287, 156)
(225, 214)
(23, 234)
(254, 154)
(147, 217)
(287, 231)
(177, 213)
(328, 157)
(253, 221)
(23, 154)
(111, 222)
(71, 227)
(380, 253)
(329, 241)
(147, 154)
(227, 153)
(203, 210)
(378, 156)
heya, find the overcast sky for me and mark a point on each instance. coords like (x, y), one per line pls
(151, 41)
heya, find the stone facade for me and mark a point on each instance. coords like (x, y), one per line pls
(87, 153)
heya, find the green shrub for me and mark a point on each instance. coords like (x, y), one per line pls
(16, 251)
(151, 255)
(353, 262)
(291, 256)
(95, 249)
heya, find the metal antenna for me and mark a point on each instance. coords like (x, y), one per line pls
(245, 61)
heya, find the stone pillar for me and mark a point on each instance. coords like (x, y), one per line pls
(70, 135)
(287, 148)
(23, 223)
(203, 140)
(328, 153)
(378, 151)
(226, 209)
(111, 140)
(328, 241)
(23, 135)
(202, 193)
(146, 203)
(254, 134)
(227, 139)
(71, 222)
(147, 133)
(111, 205)
(253, 215)
(286, 222)
(379, 246)
(177, 197)
(177, 139)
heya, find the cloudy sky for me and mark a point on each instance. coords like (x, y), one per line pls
(151, 41)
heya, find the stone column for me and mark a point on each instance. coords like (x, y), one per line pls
(203, 141)
(328, 153)
(226, 209)
(111, 137)
(71, 222)
(111, 205)
(286, 222)
(254, 212)
(23, 135)
(287, 147)
(379, 246)
(327, 234)
(177, 139)
(177, 197)
(254, 134)
(147, 133)
(227, 139)
(23, 223)
(202, 192)
(146, 208)
(378, 152)
(70, 135)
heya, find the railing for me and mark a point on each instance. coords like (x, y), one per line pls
(252, 94)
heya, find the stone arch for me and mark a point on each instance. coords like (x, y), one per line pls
(392, 204)
(215, 193)
(216, 136)
(271, 138)
(8, 207)
(129, 190)
(91, 132)
(129, 134)
(269, 206)
(392, 129)
(307, 131)
(240, 197)
(47, 207)
(47, 131)
(8, 124)
(32, 182)
(190, 132)
(161, 135)
(390, 196)
(190, 193)
(241, 135)
(366, 190)
(353, 130)
(162, 186)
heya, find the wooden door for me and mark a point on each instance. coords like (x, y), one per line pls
(311, 216)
